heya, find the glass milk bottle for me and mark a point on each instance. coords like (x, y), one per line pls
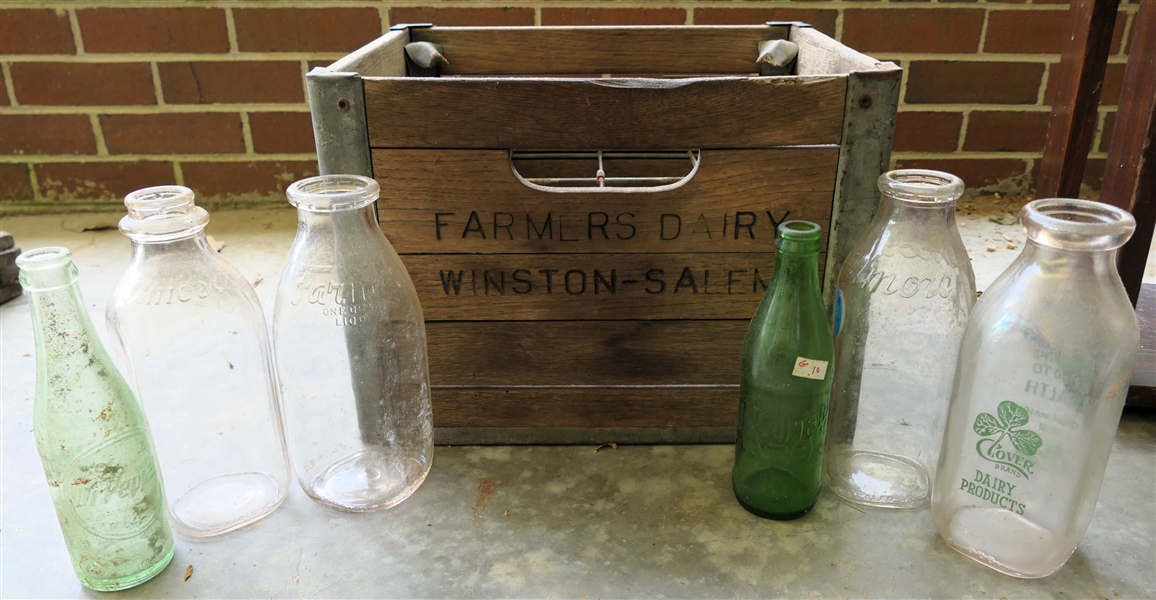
(1042, 377)
(92, 437)
(196, 346)
(351, 350)
(903, 299)
(785, 385)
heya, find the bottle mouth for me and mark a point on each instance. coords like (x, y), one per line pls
(44, 259)
(162, 213)
(801, 237)
(1072, 224)
(46, 269)
(921, 186)
(329, 193)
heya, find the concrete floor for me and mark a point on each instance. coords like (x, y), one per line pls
(653, 521)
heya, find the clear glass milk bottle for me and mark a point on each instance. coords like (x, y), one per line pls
(903, 300)
(92, 437)
(351, 350)
(1042, 377)
(194, 342)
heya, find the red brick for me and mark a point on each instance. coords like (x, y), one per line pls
(613, 16)
(4, 93)
(153, 30)
(242, 81)
(15, 182)
(305, 30)
(461, 16)
(282, 132)
(239, 180)
(83, 84)
(65, 182)
(1036, 31)
(913, 30)
(927, 131)
(997, 131)
(36, 31)
(173, 133)
(1109, 93)
(975, 172)
(46, 134)
(821, 19)
(939, 82)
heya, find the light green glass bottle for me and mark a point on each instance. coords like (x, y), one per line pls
(785, 385)
(92, 437)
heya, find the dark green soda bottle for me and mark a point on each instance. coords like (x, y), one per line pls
(785, 385)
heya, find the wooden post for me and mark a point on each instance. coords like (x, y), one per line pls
(1078, 81)
(1130, 175)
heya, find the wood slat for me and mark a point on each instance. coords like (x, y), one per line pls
(590, 286)
(586, 407)
(383, 57)
(604, 114)
(483, 207)
(1078, 79)
(568, 353)
(598, 50)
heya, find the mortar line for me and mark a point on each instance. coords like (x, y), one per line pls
(983, 31)
(963, 125)
(151, 109)
(1098, 136)
(11, 89)
(170, 57)
(74, 24)
(155, 73)
(839, 23)
(688, 7)
(1129, 21)
(178, 173)
(1043, 92)
(383, 17)
(118, 158)
(537, 16)
(98, 133)
(246, 133)
(231, 30)
(34, 180)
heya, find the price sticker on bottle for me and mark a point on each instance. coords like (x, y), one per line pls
(809, 368)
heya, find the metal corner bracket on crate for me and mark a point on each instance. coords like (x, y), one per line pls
(583, 281)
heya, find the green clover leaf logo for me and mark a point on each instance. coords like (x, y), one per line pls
(1009, 418)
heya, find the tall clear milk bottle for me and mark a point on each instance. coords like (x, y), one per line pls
(196, 345)
(1042, 377)
(351, 351)
(903, 299)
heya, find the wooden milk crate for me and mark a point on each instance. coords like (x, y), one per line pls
(559, 311)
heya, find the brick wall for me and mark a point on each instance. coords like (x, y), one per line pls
(100, 98)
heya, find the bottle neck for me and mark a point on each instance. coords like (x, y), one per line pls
(337, 222)
(795, 271)
(61, 325)
(1065, 263)
(924, 214)
(194, 242)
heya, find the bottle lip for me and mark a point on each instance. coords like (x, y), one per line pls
(1073, 224)
(162, 213)
(329, 193)
(921, 186)
(798, 237)
(44, 259)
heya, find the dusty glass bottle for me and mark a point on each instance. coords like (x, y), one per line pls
(92, 437)
(194, 343)
(902, 302)
(351, 351)
(1042, 377)
(785, 385)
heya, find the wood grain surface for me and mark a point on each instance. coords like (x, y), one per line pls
(604, 114)
(502, 287)
(383, 57)
(598, 50)
(568, 353)
(586, 407)
(436, 201)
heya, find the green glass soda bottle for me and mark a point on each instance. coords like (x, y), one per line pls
(92, 437)
(785, 385)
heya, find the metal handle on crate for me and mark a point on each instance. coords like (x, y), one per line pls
(605, 179)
